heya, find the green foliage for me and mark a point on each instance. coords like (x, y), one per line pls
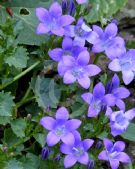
(102, 9)
(46, 91)
(13, 164)
(6, 104)
(129, 134)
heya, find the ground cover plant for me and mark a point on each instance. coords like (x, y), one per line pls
(67, 84)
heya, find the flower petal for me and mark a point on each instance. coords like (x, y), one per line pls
(78, 41)
(120, 104)
(42, 28)
(48, 122)
(69, 161)
(62, 113)
(56, 54)
(115, 81)
(130, 114)
(114, 164)
(103, 156)
(93, 70)
(65, 149)
(84, 82)
(92, 112)
(111, 30)
(42, 14)
(123, 157)
(127, 76)
(87, 143)
(121, 92)
(81, 1)
(68, 139)
(52, 139)
(115, 65)
(115, 131)
(66, 20)
(69, 31)
(83, 58)
(87, 97)
(73, 124)
(84, 159)
(67, 43)
(92, 38)
(109, 100)
(55, 9)
(97, 48)
(98, 30)
(108, 144)
(99, 90)
(62, 68)
(119, 146)
(69, 78)
(58, 32)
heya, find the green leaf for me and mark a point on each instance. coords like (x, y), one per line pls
(13, 164)
(9, 137)
(6, 104)
(18, 59)
(47, 92)
(129, 134)
(30, 162)
(18, 126)
(40, 138)
(4, 120)
(102, 9)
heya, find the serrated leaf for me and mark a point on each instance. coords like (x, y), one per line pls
(18, 59)
(9, 137)
(6, 104)
(13, 164)
(47, 92)
(103, 8)
(129, 134)
(30, 162)
(28, 34)
(4, 120)
(40, 138)
(18, 126)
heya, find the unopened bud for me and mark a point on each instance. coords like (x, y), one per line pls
(57, 158)
(45, 153)
(99, 144)
(90, 164)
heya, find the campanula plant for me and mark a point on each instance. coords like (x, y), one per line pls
(67, 85)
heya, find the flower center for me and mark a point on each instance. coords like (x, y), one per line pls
(113, 155)
(78, 151)
(60, 130)
(78, 72)
(121, 120)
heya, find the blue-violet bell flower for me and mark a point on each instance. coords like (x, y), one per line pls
(119, 120)
(107, 41)
(78, 69)
(114, 153)
(60, 128)
(68, 48)
(76, 152)
(52, 21)
(126, 64)
(81, 32)
(98, 100)
(119, 93)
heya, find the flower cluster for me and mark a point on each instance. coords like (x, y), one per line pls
(74, 65)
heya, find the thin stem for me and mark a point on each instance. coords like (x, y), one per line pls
(26, 94)
(20, 75)
(19, 104)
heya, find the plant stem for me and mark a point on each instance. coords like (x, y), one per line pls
(20, 75)
(19, 104)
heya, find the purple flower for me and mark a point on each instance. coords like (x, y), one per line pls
(97, 100)
(126, 64)
(76, 152)
(80, 31)
(90, 164)
(78, 69)
(107, 41)
(61, 128)
(68, 48)
(120, 120)
(114, 153)
(52, 21)
(117, 92)
(81, 1)
(45, 153)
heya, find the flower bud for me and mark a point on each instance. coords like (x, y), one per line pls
(5, 149)
(68, 7)
(99, 144)
(90, 164)
(57, 158)
(45, 153)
